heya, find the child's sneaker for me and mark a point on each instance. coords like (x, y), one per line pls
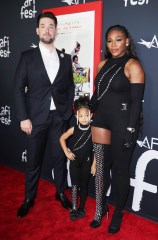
(80, 213)
(73, 214)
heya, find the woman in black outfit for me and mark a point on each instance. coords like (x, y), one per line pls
(116, 103)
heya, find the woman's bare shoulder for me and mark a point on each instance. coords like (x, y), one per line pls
(134, 71)
(100, 65)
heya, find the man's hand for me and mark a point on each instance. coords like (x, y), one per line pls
(26, 126)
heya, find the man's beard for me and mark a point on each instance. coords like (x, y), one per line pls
(47, 41)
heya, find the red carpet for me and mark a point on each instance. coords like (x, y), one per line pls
(47, 220)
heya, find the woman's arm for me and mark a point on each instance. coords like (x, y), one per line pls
(135, 74)
(137, 79)
(134, 71)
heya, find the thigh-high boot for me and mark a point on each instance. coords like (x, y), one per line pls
(122, 184)
(102, 179)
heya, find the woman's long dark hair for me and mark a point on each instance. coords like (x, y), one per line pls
(130, 48)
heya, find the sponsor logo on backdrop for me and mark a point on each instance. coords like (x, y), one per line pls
(4, 47)
(138, 182)
(148, 144)
(28, 10)
(24, 156)
(73, 2)
(152, 44)
(5, 115)
(135, 2)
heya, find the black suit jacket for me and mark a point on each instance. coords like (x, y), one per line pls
(33, 89)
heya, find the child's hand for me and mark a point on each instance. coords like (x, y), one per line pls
(70, 155)
(93, 169)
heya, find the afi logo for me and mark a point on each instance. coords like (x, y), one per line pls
(28, 10)
(124, 107)
(145, 143)
(138, 183)
(142, 165)
(24, 156)
(153, 43)
(4, 47)
(136, 2)
(5, 115)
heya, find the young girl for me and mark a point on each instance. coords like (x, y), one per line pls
(81, 156)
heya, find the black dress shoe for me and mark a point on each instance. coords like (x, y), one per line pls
(115, 222)
(24, 209)
(81, 213)
(64, 200)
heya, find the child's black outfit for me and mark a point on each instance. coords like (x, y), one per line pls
(80, 168)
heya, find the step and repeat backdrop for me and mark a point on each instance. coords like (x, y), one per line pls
(18, 25)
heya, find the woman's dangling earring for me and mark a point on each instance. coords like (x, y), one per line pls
(89, 115)
(77, 117)
(127, 44)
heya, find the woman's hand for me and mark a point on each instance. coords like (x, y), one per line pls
(127, 140)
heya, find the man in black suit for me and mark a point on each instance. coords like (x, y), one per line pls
(44, 93)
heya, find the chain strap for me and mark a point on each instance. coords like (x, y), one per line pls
(98, 89)
(82, 143)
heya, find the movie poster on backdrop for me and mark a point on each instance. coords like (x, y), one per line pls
(79, 34)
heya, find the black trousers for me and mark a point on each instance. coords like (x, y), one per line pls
(79, 174)
(51, 132)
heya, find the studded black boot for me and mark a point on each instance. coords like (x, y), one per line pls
(74, 196)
